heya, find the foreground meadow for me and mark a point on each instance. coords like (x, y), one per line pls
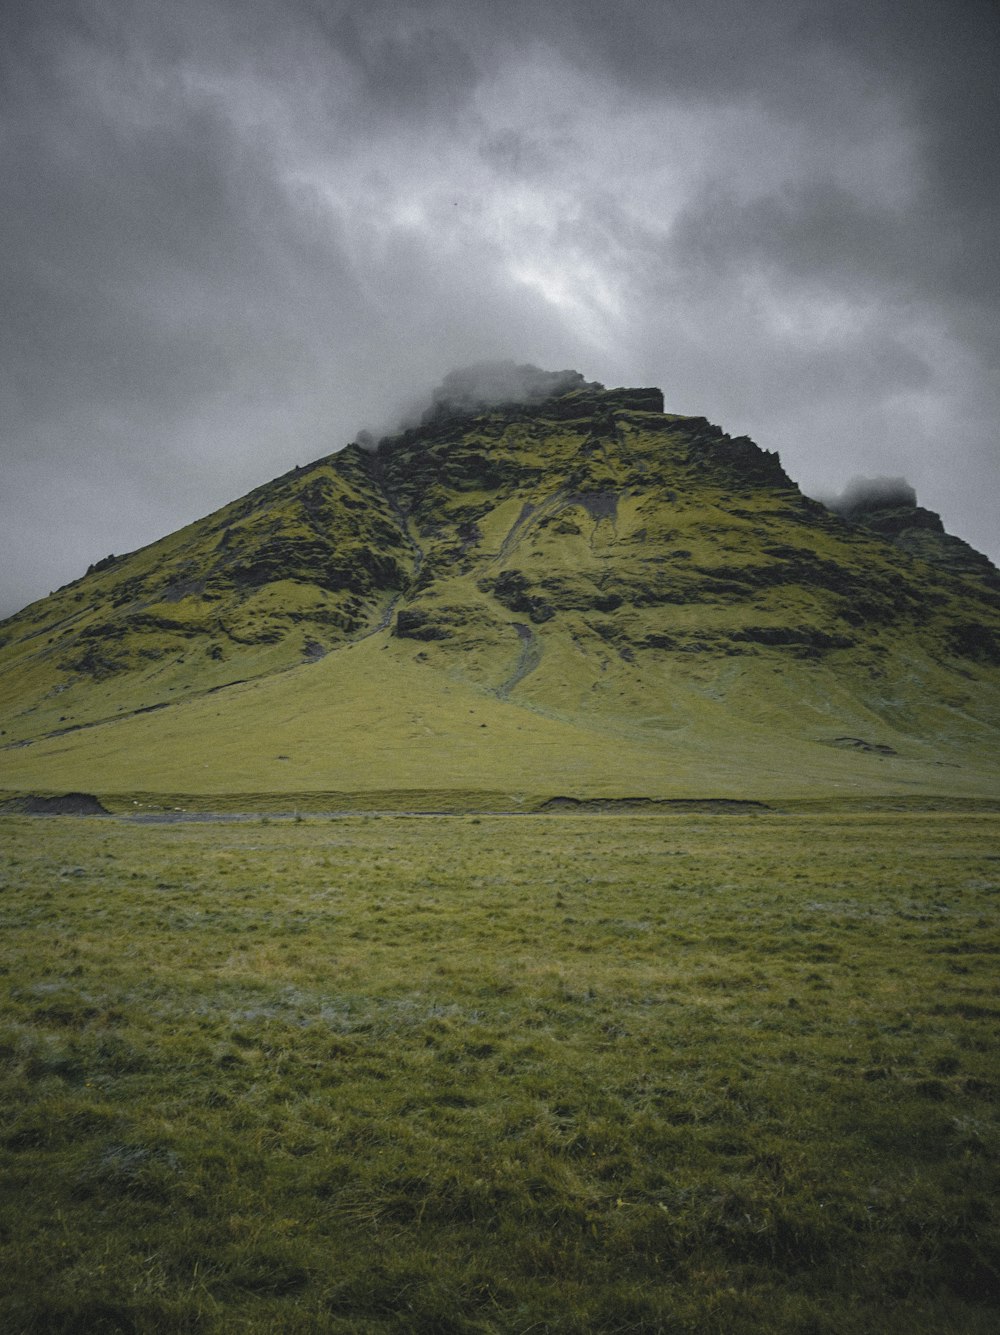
(692, 1073)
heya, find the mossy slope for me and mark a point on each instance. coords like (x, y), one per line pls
(588, 596)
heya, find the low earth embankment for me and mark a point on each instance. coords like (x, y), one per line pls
(146, 806)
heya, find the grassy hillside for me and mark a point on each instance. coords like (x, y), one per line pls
(370, 720)
(586, 597)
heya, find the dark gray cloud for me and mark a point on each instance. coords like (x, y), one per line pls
(236, 234)
(873, 493)
(487, 383)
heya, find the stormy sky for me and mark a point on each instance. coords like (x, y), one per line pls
(235, 233)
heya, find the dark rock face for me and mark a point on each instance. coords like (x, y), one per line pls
(921, 533)
(414, 624)
(888, 506)
(105, 563)
(805, 639)
(860, 744)
(974, 641)
(511, 588)
(597, 402)
(893, 521)
(69, 804)
(739, 456)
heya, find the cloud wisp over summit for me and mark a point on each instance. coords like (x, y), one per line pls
(236, 235)
(873, 493)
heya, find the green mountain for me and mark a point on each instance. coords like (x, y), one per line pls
(562, 591)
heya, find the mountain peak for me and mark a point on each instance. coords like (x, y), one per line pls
(492, 384)
(511, 389)
(563, 565)
(888, 506)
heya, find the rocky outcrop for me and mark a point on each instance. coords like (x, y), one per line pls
(921, 533)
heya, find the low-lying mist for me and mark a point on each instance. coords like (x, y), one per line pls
(863, 494)
(487, 384)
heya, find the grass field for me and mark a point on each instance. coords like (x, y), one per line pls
(678, 1073)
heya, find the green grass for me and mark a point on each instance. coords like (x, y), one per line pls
(555, 1073)
(376, 717)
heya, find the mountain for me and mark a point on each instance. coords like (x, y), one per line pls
(541, 589)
